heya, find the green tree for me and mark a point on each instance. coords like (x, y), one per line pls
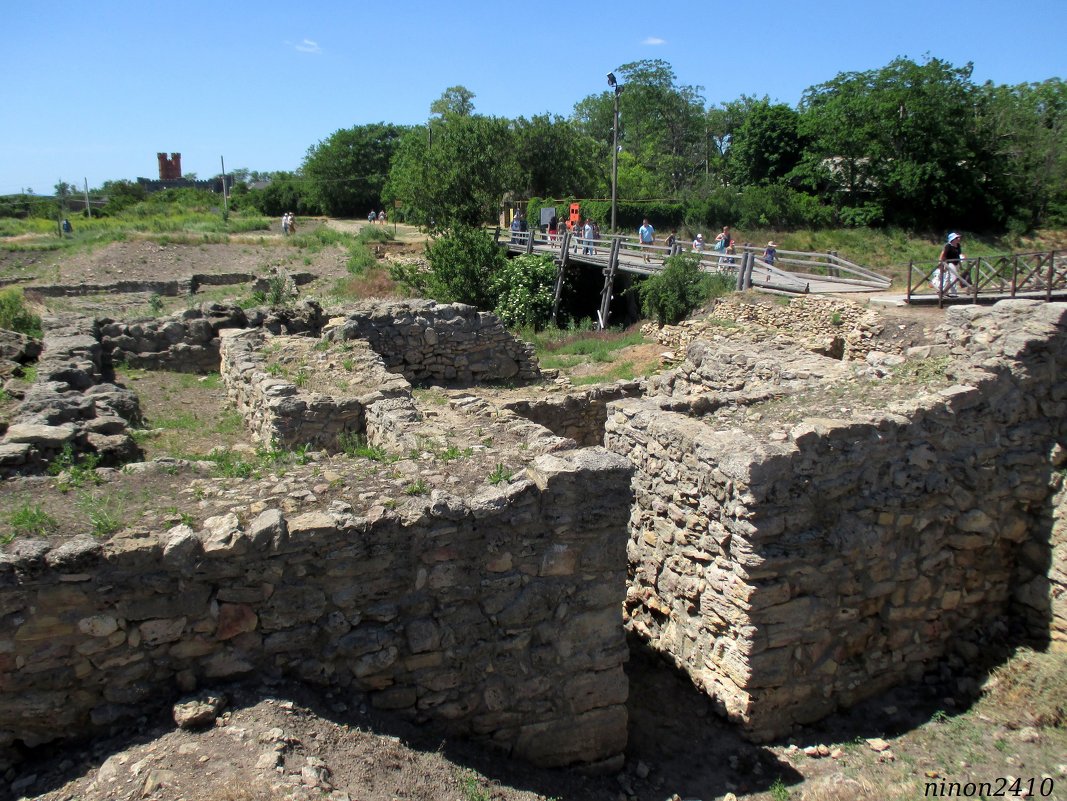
(454, 172)
(455, 101)
(1023, 139)
(463, 263)
(661, 127)
(345, 173)
(900, 137)
(767, 146)
(286, 192)
(121, 195)
(554, 158)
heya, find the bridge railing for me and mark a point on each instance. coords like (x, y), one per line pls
(1031, 275)
(811, 266)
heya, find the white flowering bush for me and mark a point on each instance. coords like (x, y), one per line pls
(523, 287)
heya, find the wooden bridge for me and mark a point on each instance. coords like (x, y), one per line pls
(793, 272)
(1038, 276)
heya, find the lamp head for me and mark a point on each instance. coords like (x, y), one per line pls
(611, 79)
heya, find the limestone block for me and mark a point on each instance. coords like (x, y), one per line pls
(589, 737)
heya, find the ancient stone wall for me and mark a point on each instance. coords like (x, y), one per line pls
(279, 413)
(792, 571)
(577, 415)
(494, 617)
(446, 344)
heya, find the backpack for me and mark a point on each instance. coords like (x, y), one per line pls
(720, 244)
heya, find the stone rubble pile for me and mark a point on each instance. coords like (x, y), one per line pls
(833, 327)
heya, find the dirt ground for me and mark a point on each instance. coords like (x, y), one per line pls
(282, 743)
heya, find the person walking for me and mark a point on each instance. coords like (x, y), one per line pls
(946, 277)
(722, 240)
(285, 224)
(587, 237)
(698, 244)
(771, 253)
(647, 235)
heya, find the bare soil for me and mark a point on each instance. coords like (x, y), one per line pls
(288, 742)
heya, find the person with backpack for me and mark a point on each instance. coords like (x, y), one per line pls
(722, 240)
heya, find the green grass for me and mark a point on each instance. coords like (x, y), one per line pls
(922, 371)
(75, 470)
(471, 787)
(418, 487)
(357, 445)
(28, 520)
(105, 513)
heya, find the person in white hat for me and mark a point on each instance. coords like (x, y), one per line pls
(946, 278)
(698, 243)
(771, 253)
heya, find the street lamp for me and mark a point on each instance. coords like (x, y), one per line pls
(614, 148)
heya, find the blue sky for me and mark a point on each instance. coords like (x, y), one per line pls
(93, 90)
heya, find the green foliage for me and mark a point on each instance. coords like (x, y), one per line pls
(375, 233)
(286, 192)
(15, 315)
(105, 512)
(767, 145)
(357, 445)
(463, 263)
(453, 172)
(346, 172)
(778, 790)
(27, 520)
(670, 295)
(523, 287)
(74, 470)
(500, 474)
(359, 260)
(280, 290)
(155, 304)
(417, 487)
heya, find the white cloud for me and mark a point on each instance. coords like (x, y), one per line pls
(308, 46)
(654, 40)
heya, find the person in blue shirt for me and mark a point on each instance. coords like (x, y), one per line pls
(647, 235)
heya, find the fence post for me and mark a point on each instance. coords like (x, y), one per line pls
(609, 284)
(740, 283)
(529, 241)
(907, 293)
(1051, 275)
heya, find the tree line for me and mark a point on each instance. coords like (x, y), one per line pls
(917, 145)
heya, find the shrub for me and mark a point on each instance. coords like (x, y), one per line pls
(360, 259)
(681, 287)
(15, 315)
(523, 287)
(375, 233)
(463, 262)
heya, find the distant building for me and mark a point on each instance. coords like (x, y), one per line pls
(169, 169)
(170, 177)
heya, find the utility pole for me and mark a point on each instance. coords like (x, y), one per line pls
(88, 208)
(225, 202)
(614, 149)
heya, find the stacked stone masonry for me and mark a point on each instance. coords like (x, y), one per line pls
(494, 617)
(794, 572)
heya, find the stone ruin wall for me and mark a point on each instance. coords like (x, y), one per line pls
(794, 574)
(494, 617)
(445, 344)
(788, 575)
(73, 403)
